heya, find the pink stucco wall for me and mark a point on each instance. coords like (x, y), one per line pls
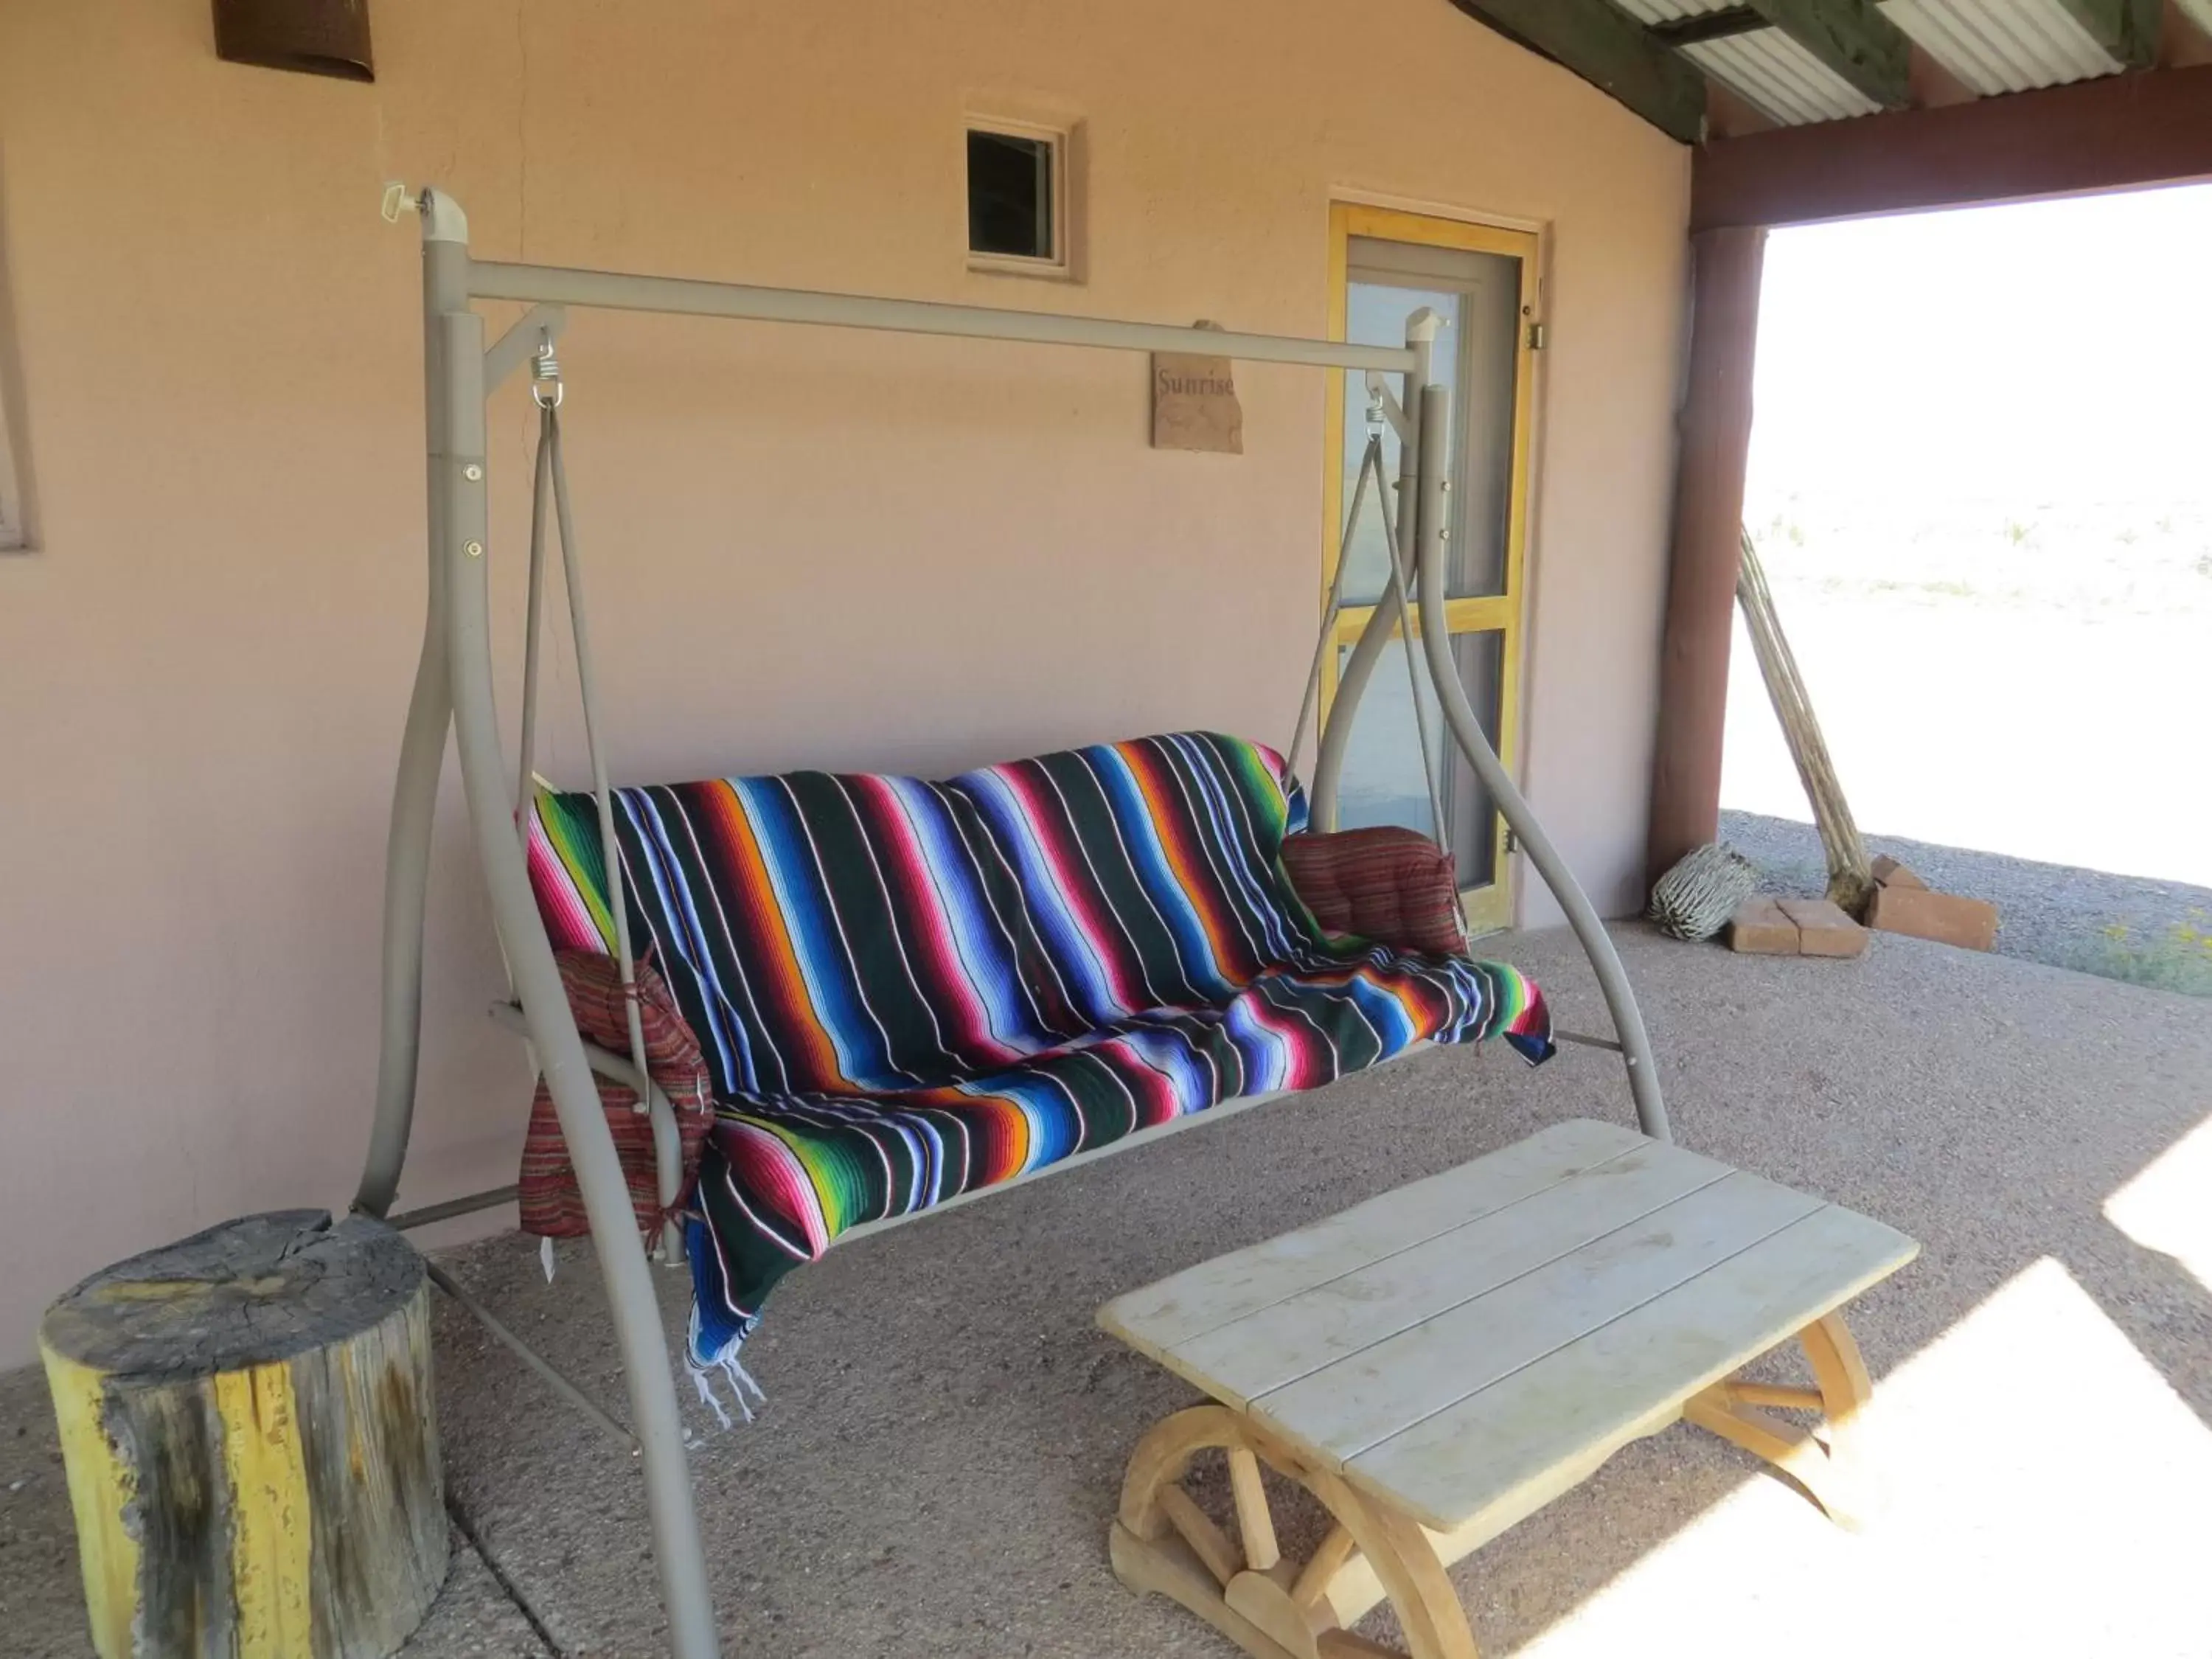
(806, 549)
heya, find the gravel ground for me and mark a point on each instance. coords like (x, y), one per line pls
(2048, 913)
(946, 1428)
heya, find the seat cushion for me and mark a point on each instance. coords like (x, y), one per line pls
(550, 1202)
(1393, 886)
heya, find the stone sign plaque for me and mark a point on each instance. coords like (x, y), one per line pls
(1195, 404)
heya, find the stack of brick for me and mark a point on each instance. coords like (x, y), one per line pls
(1794, 927)
(1902, 903)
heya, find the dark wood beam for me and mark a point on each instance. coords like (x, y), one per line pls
(1611, 50)
(1852, 39)
(1716, 442)
(2128, 29)
(2120, 133)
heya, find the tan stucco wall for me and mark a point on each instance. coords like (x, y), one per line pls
(203, 670)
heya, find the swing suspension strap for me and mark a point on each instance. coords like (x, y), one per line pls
(1397, 592)
(551, 488)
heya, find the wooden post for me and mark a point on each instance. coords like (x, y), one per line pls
(1716, 440)
(247, 1420)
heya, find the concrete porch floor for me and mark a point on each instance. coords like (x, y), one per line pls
(945, 1431)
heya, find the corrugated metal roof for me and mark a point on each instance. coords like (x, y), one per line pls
(1991, 46)
(1779, 78)
(1765, 67)
(2003, 45)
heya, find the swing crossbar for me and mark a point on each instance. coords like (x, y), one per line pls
(611, 290)
(453, 697)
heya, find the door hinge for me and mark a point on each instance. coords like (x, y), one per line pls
(1536, 337)
(1512, 840)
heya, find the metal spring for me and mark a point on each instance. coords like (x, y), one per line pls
(546, 389)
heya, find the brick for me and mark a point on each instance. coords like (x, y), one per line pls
(1823, 930)
(1761, 927)
(1947, 918)
(1889, 872)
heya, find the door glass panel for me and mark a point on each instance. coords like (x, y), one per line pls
(1382, 782)
(1375, 314)
(1477, 299)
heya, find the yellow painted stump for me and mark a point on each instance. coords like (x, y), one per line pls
(252, 1442)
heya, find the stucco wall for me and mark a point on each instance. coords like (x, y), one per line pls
(806, 549)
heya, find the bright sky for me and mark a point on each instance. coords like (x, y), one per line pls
(2061, 350)
(1981, 473)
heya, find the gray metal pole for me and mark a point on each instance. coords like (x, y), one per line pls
(533, 624)
(622, 291)
(1351, 686)
(639, 1334)
(667, 1143)
(1435, 643)
(1367, 650)
(415, 792)
(1370, 468)
(530, 1357)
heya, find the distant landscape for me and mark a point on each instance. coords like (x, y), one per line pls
(2023, 678)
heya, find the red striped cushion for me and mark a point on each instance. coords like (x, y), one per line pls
(552, 1204)
(1392, 885)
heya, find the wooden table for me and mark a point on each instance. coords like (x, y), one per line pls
(1440, 1361)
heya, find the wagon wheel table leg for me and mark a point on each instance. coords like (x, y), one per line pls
(1273, 1607)
(1736, 1411)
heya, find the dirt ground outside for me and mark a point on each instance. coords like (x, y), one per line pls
(2017, 701)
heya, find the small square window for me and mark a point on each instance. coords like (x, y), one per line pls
(1017, 198)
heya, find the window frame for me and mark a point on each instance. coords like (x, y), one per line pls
(1058, 141)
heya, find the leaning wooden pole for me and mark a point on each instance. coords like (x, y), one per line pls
(1850, 878)
(252, 1443)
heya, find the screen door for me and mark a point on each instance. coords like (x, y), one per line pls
(1481, 283)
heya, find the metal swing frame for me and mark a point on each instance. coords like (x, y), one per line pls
(453, 692)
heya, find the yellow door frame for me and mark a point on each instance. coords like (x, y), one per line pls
(1491, 907)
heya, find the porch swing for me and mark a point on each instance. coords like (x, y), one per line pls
(1062, 1047)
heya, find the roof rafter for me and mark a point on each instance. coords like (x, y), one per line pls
(1609, 49)
(2127, 29)
(1851, 38)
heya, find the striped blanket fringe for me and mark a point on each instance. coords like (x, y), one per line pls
(904, 991)
(735, 1377)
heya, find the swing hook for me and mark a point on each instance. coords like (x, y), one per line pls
(545, 384)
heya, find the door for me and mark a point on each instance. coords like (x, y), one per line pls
(1481, 282)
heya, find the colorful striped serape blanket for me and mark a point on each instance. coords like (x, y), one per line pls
(908, 990)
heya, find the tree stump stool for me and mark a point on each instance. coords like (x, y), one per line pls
(247, 1420)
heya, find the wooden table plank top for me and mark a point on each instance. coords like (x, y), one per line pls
(1478, 1341)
